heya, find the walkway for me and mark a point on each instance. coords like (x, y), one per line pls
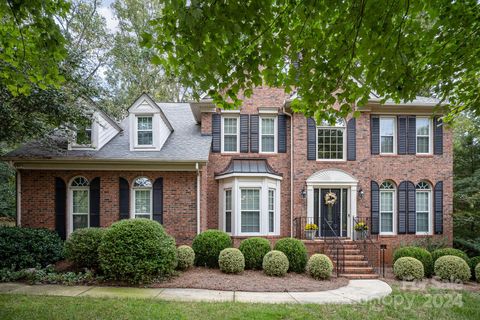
(355, 291)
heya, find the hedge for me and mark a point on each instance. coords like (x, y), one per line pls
(319, 267)
(296, 253)
(275, 263)
(418, 253)
(208, 245)
(452, 268)
(408, 269)
(254, 249)
(82, 247)
(186, 257)
(450, 252)
(231, 260)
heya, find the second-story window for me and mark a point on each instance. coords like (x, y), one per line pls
(84, 134)
(267, 132)
(145, 131)
(230, 134)
(423, 135)
(387, 135)
(331, 141)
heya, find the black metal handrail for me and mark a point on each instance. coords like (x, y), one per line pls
(335, 247)
(374, 253)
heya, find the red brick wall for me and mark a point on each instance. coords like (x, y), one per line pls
(179, 198)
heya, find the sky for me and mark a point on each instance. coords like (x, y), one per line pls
(106, 11)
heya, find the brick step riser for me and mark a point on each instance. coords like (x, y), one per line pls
(359, 276)
(360, 270)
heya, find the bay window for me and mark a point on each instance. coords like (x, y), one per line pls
(250, 210)
(228, 210)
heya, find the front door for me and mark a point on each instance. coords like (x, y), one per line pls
(330, 214)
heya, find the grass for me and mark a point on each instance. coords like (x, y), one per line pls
(400, 305)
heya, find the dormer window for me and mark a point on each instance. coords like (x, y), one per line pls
(84, 135)
(145, 131)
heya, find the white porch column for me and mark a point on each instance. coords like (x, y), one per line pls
(353, 208)
(310, 205)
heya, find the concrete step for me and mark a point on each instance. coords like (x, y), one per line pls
(359, 276)
(358, 270)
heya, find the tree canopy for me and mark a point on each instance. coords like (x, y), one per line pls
(326, 50)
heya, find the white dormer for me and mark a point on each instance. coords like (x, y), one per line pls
(149, 127)
(96, 134)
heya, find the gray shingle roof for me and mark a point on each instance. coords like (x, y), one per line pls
(185, 143)
(248, 166)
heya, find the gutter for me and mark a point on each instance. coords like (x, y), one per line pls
(291, 172)
(197, 167)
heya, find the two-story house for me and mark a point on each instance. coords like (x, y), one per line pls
(262, 170)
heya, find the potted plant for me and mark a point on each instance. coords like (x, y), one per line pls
(361, 229)
(310, 230)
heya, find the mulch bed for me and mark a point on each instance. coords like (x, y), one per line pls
(249, 280)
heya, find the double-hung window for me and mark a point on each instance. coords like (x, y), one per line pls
(80, 195)
(142, 198)
(267, 133)
(84, 134)
(230, 131)
(271, 210)
(387, 200)
(331, 141)
(228, 210)
(387, 135)
(423, 135)
(250, 210)
(144, 130)
(423, 207)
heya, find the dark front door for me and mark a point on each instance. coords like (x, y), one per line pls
(330, 214)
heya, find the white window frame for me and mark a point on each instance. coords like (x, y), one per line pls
(344, 134)
(237, 118)
(394, 214)
(259, 189)
(394, 151)
(430, 136)
(140, 146)
(71, 190)
(430, 209)
(225, 210)
(272, 211)
(275, 133)
(133, 190)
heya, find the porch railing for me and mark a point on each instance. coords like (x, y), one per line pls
(366, 242)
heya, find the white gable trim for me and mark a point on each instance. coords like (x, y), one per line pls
(145, 98)
(331, 177)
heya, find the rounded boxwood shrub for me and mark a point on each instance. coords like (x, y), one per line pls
(296, 253)
(477, 272)
(473, 264)
(254, 249)
(408, 269)
(137, 250)
(450, 252)
(275, 263)
(319, 267)
(22, 248)
(82, 247)
(186, 257)
(452, 268)
(418, 253)
(208, 245)
(231, 260)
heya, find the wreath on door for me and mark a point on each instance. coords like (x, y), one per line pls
(330, 199)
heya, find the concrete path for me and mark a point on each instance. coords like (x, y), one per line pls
(355, 291)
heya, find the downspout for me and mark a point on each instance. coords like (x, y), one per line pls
(292, 207)
(18, 198)
(198, 197)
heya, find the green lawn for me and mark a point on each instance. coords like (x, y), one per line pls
(400, 305)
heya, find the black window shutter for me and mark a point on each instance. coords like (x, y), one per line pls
(375, 207)
(244, 133)
(402, 135)
(375, 135)
(352, 139)
(438, 207)
(311, 139)
(411, 208)
(216, 132)
(60, 207)
(124, 198)
(254, 133)
(95, 202)
(282, 133)
(158, 200)
(412, 135)
(437, 136)
(402, 208)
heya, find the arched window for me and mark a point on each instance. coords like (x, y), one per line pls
(423, 206)
(387, 207)
(80, 203)
(331, 140)
(142, 198)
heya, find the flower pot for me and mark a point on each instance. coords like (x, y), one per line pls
(359, 235)
(310, 234)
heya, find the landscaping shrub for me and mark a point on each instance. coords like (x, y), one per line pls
(82, 247)
(408, 269)
(477, 272)
(275, 263)
(186, 257)
(231, 260)
(319, 267)
(207, 246)
(254, 249)
(450, 252)
(452, 268)
(296, 253)
(137, 250)
(420, 254)
(22, 248)
(473, 264)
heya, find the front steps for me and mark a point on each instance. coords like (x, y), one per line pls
(356, 264)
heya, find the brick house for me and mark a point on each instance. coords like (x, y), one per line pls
(258, 171)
